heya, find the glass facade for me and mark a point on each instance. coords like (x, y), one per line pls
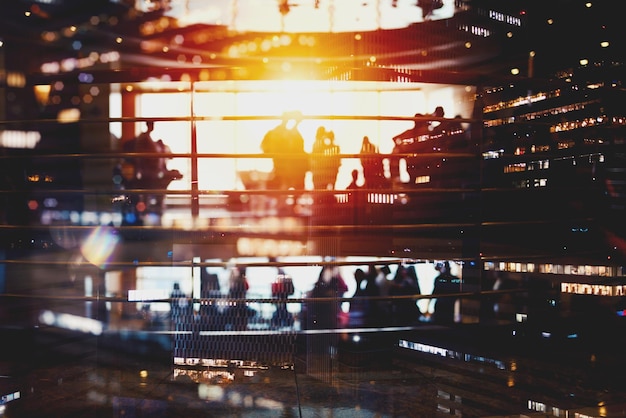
(311, 208)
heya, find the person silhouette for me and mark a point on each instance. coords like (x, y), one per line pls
(405, 142)
(286, 145)
(181, 314)
(238, 313)
(372, 164)
(428, 7)
(325, 160)
(359, 314)
(405, 283)
(437, 127)
(355, 177)
(445, 283)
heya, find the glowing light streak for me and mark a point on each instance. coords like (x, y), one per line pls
(19, 139)
(100, 245)
(71, 322)
(147, 295)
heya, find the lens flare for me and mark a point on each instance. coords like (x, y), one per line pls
(100, 245)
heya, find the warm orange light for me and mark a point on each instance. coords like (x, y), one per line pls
(42, 93)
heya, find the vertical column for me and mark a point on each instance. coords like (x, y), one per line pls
(128, 282)
(472, 246)
(129, 110)
(195, 198)
(95, 138)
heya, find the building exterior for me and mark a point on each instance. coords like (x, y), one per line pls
(518, 184)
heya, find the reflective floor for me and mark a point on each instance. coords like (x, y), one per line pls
(468, 370)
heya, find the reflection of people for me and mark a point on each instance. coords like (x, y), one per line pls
(404, 142)
(282, 288)
(405, 283)
(372, 164)
(428, 7)
(360, 304)
(238, 312)
(181, 312)
(147, 167)
(437, 127)
(148, 171)
(330, 284)
(445, 283)
(179, 304)
(355, 177)
(325, 159)
(286, 145)
(209, 291)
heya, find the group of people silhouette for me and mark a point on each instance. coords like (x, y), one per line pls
(286, 146)
(290, 160)
(381, 299)
(419, 140)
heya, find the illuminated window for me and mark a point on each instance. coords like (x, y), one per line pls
(493, 154)
(515, 168)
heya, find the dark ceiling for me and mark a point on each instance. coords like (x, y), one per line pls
(72, 27)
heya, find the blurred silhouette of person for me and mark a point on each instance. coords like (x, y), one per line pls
(282, 288)
(317, 151)
(323, 314)
(238, 312)
(325, 160)
(405, 142)
(445, 283)
(181, 314)
(372, 165)
(355, 177)
(210, 291)
(405, 283)
(330, 284)
(147, 168)
(383, 283)
(148, 171)
(438, 127)
(364, 310)
(359, 305)
(163, 148)
(286, 145)
(428, 7)
(180, 305)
